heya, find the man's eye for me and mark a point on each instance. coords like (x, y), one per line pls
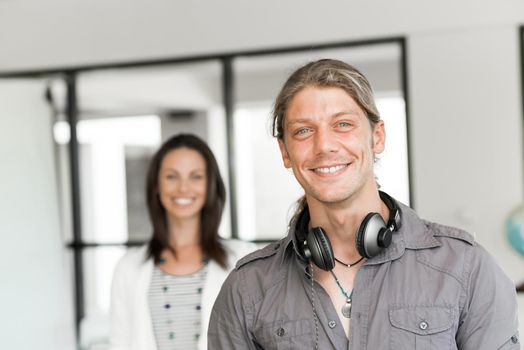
(344, 124)
(197, 177)
(301, 131)
(171, 177)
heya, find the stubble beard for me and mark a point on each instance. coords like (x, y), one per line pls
(342, 193)
(335, 198)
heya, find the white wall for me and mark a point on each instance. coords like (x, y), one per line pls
(63, 32)
(463, 61)
(35, 288)
(466, 132)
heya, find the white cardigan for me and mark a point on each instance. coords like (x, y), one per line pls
(131, 324)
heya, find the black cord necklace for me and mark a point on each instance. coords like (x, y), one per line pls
(350, 264)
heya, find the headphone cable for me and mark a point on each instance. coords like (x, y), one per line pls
(315, 316)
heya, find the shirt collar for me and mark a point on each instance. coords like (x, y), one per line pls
(412, 234)
(293, 242)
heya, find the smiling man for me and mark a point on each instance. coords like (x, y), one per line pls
(357, 270)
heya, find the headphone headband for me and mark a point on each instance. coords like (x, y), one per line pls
(394, 211)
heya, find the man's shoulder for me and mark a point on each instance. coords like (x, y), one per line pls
(237, 249)
(257, 272)
(454, 234)
(458, 252)
(420, 233)
(262, 256)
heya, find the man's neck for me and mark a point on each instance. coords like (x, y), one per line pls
(341, 221)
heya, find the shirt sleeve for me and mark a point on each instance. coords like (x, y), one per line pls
(489, 317)
(228, 326)
(120, 332)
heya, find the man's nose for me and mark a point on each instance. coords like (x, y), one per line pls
(324, 141)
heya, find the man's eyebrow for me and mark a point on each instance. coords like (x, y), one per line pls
(352, 112)
(176, 171)
(347, 112)
(297, 121)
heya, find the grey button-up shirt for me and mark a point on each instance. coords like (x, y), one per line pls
(433, 288)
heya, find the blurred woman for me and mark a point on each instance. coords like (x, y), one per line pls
(163, 292)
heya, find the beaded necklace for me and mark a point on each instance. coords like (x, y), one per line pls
(346, 308)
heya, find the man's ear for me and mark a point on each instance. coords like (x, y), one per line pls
(283, 152)
(379, 137)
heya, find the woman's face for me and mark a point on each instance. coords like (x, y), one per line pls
(182, 183)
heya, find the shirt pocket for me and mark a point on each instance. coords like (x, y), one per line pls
(285, 335)
(512, 344)
(421, 328)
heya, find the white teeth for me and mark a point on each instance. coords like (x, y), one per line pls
(183, 201)
(330, 169)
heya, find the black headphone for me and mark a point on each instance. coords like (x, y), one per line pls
(372, 235)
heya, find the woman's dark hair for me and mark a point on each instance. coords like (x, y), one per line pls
(211, 212)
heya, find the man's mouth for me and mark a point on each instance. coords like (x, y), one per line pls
(331, 169)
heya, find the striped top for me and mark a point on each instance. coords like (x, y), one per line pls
(174, 304)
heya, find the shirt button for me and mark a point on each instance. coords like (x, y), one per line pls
(514, 339)
(332, 324)
(281, 332)
(423, 325)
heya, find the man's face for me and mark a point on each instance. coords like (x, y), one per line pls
(330, 145)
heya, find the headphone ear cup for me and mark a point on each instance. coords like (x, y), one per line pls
(320, 249)
(367, 237)
(384, 237)
(361, 235)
